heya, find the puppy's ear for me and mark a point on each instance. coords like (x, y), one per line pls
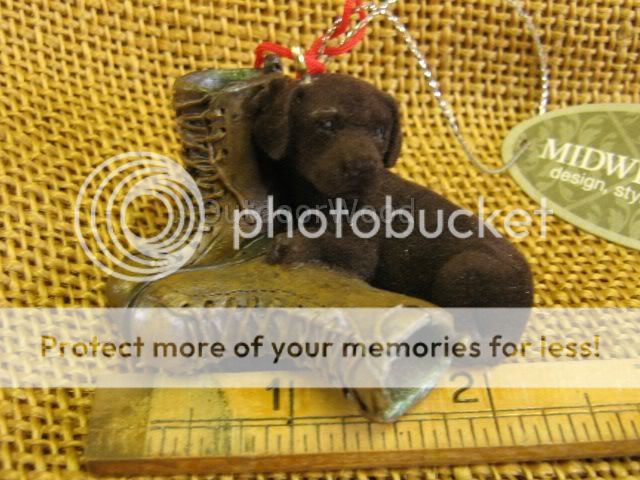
(271, 112)
(395, 138)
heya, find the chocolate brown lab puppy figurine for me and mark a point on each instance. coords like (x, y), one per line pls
(334, 138)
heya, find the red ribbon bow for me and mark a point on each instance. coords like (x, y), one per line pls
(313, 63)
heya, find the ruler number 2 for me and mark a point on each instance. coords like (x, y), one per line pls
(457, 395)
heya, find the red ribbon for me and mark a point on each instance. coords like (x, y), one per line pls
(313, 63)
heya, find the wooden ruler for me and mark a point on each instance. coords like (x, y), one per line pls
(174, 431)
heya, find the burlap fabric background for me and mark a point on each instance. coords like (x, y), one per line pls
(83, 81)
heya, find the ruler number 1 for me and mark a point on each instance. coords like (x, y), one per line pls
(457, 395)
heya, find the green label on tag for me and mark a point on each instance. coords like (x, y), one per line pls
(585, 161)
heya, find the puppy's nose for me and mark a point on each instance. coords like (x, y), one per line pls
(358, 168)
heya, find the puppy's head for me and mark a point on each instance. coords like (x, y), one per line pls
(336, 132)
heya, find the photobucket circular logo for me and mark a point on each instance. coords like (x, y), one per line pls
(109, 192)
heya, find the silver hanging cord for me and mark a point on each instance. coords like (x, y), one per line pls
(382, 9)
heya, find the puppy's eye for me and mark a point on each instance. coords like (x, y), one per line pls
(327, 125)
(380, 132)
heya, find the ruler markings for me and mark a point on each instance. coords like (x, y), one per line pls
(395, 435)
(521, 418)
(564, 439)
(610, 427)
(551, 432)
(535, 429)
(344, 433)
(545, 418)
(595, 420)
(624, 433)
(291, 418)
(498, 412)
(513, 438)
(214, 439)
(189, 431)
(318, 441)
(473, 432)
(218, 429)
(422, 439)
(162, 441)
(241, 435)
(493, 407)
(446, 428)
(574, 432)
(522, 428)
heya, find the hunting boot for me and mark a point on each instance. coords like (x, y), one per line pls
(215, 128)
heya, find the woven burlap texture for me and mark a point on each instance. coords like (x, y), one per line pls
(83, 81)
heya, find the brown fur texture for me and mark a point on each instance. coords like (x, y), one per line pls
(335, 138)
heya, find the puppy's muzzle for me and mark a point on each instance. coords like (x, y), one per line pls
(361, 161)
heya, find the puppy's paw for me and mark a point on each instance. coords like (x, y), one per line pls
(289, 250)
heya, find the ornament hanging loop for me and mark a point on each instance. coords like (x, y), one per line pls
(300, 65)
(366, 13)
